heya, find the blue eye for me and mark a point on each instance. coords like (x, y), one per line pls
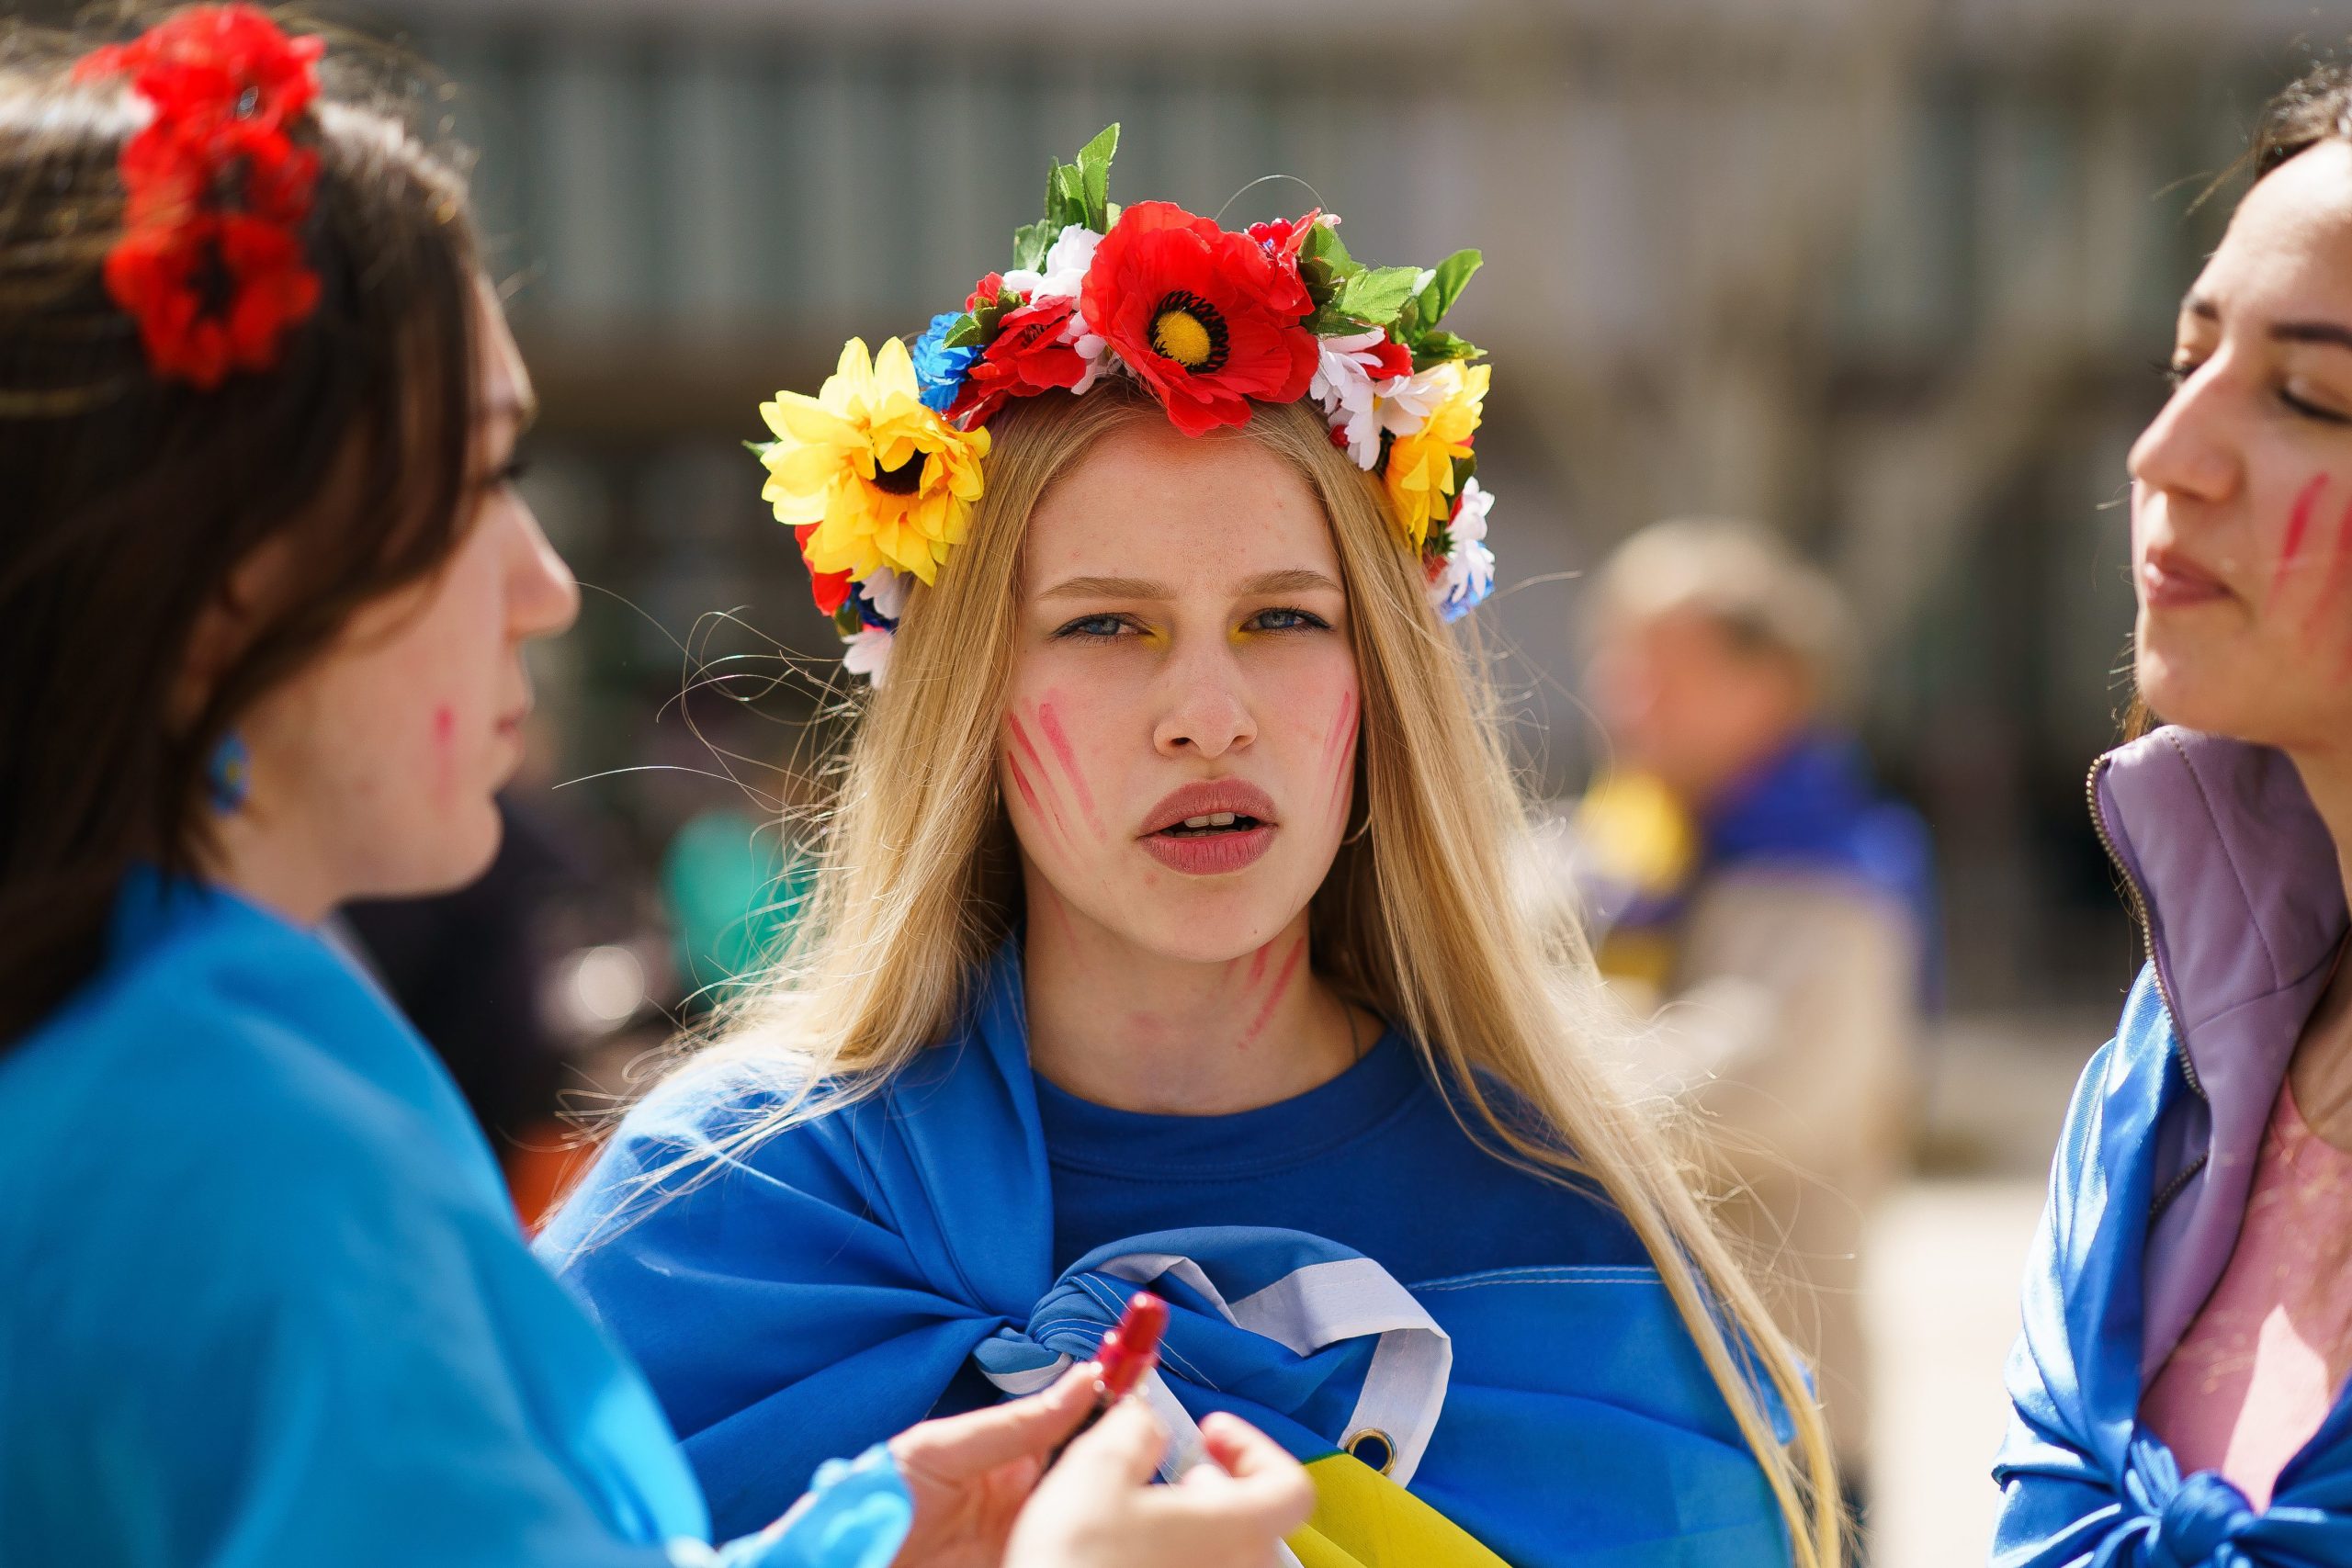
(1094, 626)
(1284, 619)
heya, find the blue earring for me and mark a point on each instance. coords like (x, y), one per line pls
(228, 776)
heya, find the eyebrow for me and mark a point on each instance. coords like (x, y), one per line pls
(1288, 579)
(2327, 334)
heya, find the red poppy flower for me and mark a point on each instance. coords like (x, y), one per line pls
(1205, 317)
(211, 294)
(987, 291)
(217, 62)
(211, 262)
(1026, 356)
(830, 589)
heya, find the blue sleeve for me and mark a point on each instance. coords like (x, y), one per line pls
(274, 1346)
(762, 1285)
(2057, 1502)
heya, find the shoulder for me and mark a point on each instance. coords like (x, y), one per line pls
(716, 1128)
(198, 1173)
(169, 1081)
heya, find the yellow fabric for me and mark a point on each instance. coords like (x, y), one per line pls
(1363, 1519)
(1637, 833)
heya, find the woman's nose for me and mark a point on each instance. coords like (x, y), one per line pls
(2191, 447)
(1204, 712)
(543, 595)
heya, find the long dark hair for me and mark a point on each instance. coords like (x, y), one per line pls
(127, 501)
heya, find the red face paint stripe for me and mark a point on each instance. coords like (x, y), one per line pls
(1258, 964)
(1344, 757)
(1020, 736)
(1044, 813)
(2338, 563)
(1342, 727)
(2299, 523)
(1069, 755)
(1281, 985)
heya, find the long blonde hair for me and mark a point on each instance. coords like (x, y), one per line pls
(917, 888)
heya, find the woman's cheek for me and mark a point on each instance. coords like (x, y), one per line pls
(1335, 769)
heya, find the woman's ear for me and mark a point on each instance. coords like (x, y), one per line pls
(225, 626)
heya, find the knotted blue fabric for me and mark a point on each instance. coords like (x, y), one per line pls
(808, 1293)
(2085, 1482)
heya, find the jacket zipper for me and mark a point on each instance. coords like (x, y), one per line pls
(2147, 938)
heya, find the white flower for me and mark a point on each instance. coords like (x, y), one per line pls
(1064, 268)
(1343, 387)
(869, 654)
(1094, 350)
(886, 591)
(1468, 575)
(1407, 402)
(1469, 523)
(1060, 276)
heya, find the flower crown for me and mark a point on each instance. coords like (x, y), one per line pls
(877, 473)
(217, 190)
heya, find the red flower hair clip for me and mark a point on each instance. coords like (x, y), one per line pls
(211, 262)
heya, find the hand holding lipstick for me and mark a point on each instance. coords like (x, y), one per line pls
(1128, 1353)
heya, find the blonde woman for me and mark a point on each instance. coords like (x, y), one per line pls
(1161, 941)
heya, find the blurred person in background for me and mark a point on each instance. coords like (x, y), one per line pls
(2179, 1390)
(264, 587)
(1747, 877)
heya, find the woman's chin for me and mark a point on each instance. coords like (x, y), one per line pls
(2199, 688)
(1204, 924)
(445, 858)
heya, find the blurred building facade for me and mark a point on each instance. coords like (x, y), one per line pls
(1889, 273)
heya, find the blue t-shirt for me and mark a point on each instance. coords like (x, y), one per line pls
(1376, 1160)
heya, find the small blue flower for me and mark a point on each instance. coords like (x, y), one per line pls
(939, 369)
(1463, 600)
(867, 613)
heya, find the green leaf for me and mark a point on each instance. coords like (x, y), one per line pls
(1322, 243)
(1437, 347)
(1376, 296)
(845, 620)
(1446, 284)
(1327, 322)
(1094, 177)
(1065, 196)
(759, 449)
(1030, 243)
(970, 331)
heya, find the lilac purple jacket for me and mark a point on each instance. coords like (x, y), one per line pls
(2235, 880)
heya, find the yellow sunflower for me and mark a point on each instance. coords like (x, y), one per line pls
(885, 480)
(1420, 466)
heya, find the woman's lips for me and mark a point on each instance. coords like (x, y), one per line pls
(1210, 854)
(2169, 581)
(1217, 850)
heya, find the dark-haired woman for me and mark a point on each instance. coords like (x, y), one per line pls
(264, 586)
(2179, 1390)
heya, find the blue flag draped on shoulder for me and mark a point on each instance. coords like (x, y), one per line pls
(831, 1284)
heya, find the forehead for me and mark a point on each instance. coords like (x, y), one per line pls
(2288, 249)
(506, 384)
(1146, 501)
